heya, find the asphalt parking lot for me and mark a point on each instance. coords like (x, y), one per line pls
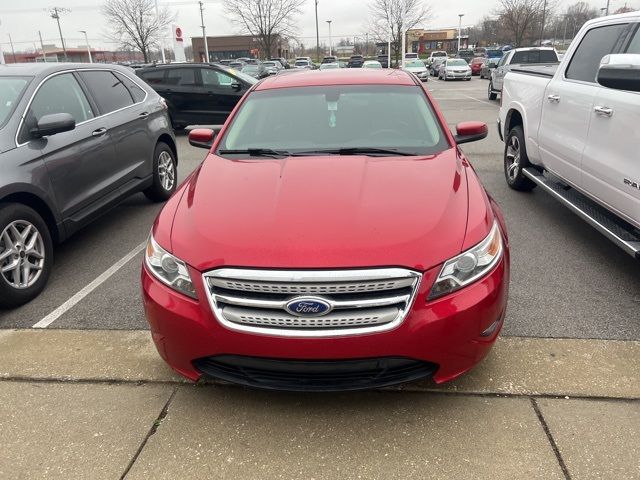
(567, 280)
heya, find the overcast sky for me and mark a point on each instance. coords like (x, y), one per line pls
(23, 19)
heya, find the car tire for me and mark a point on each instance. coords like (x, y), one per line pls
(490, 93)
(515, 160)
(35, 249)
(165, 174)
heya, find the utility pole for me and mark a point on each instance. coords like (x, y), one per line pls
(544, 13)
(55, 14)
(44, 55)
(204, 33)
(607, 11)
(317, 35)
(87, 42)
(460, 29)
(13, 52)
(366, 44)
(329, 22)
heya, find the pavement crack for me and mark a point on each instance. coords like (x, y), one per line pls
(554, 445)
(152, 430)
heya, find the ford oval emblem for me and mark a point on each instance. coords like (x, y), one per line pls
(308, 307)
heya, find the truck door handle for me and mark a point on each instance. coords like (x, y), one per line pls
(99, 132)
(604, 111)
(144, 115)
(554, 98)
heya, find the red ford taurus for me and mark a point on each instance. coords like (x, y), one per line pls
(334, 238)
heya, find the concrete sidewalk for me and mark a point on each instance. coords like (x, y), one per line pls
(101, 404)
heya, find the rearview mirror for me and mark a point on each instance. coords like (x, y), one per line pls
(470, 132)
(52, 124)
(202, 137)
(620, 72)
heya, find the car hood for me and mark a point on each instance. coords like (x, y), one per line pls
(323, 212)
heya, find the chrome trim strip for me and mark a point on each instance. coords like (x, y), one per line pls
(24, 112)
(334, 276)
(337, 305)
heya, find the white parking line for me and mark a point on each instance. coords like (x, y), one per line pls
(66, 306)
(478, 100)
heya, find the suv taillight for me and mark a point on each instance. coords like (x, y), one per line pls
(163, 103)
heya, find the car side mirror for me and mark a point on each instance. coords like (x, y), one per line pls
(52, 124)
(470, 132)
(620, 72)
(237, 86)
(202, 137)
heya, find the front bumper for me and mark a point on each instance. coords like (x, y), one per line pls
(455, 75)
(452, 333)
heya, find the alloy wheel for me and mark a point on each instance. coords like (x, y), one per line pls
(166, 171)
(513, 158)
(21, 254)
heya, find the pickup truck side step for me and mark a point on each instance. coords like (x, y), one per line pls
(615, 229)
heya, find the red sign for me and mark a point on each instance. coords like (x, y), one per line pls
(179, 34)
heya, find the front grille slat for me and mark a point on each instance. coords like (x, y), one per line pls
(362, 301)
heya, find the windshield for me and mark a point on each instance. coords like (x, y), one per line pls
(494, 53)
(11, 89)
(457, 63)
(414, 64)
(336, 117)
(301, 63)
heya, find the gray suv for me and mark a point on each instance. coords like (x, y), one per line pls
(75, 140)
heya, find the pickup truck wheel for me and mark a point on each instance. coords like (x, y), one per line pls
(164, 174)
(26, 254)
(515, 159)
(490, 93)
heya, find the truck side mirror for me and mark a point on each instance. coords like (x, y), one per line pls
(620, 72)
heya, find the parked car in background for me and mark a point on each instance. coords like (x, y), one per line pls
(571, 129)
(383, 60)
(437, 62)
(197, 93)
(225, 62)
(411, 56)
(453, 69)
(371, 64)
(436, 54)
(330, 59)
(476, 65)
(303, 64)
(75, 140)
(283, 62)
(487, 66)
(418, 68)
(272, 66)
(494, 53)
(374, 294)
(258, 71)
(518, 56)
(237, 65)
(355, 61)
(466, 55)
(329, 66)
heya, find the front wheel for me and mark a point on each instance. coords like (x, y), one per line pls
(490, 93)
(515, 160)
(26, 254)
(165, 174)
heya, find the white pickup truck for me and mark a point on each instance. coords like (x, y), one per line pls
(573, 129)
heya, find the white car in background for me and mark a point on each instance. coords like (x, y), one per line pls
(371, 64)
(418, 68)
(329, 66)
(455, 68)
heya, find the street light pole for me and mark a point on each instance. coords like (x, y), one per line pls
(544, 13)
(607, 11)
(55, 14)
(204, 35)
(329, 22)
(460, 29)
(87, 42)
(164, 60)
(317, 35)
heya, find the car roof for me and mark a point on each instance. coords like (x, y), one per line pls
(526, 49)
(43, 69)
(338, 77)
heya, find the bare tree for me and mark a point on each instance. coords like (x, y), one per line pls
(134, 24)
(520, 18)
(395, 17)
(267, 20)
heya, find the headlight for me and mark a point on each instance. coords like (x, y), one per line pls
(168, 269)
(469, 266)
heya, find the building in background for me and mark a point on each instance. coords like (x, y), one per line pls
(236, 46)
(426, 41)
(53, 53)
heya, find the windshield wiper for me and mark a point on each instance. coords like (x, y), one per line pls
(257, 152)
(358, 151)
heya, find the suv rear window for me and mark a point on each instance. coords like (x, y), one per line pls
(108, 91)
(153, 77)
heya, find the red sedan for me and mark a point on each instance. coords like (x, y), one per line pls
(476, 65)
(334, 238)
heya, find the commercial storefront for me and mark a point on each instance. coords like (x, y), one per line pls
(426, 41)
(236, 46)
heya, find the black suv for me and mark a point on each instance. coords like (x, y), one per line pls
(355, 61)
(197, 93)
(75, 140)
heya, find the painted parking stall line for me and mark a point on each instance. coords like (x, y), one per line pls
(103, 277)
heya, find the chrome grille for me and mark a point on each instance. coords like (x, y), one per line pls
(362, 301)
